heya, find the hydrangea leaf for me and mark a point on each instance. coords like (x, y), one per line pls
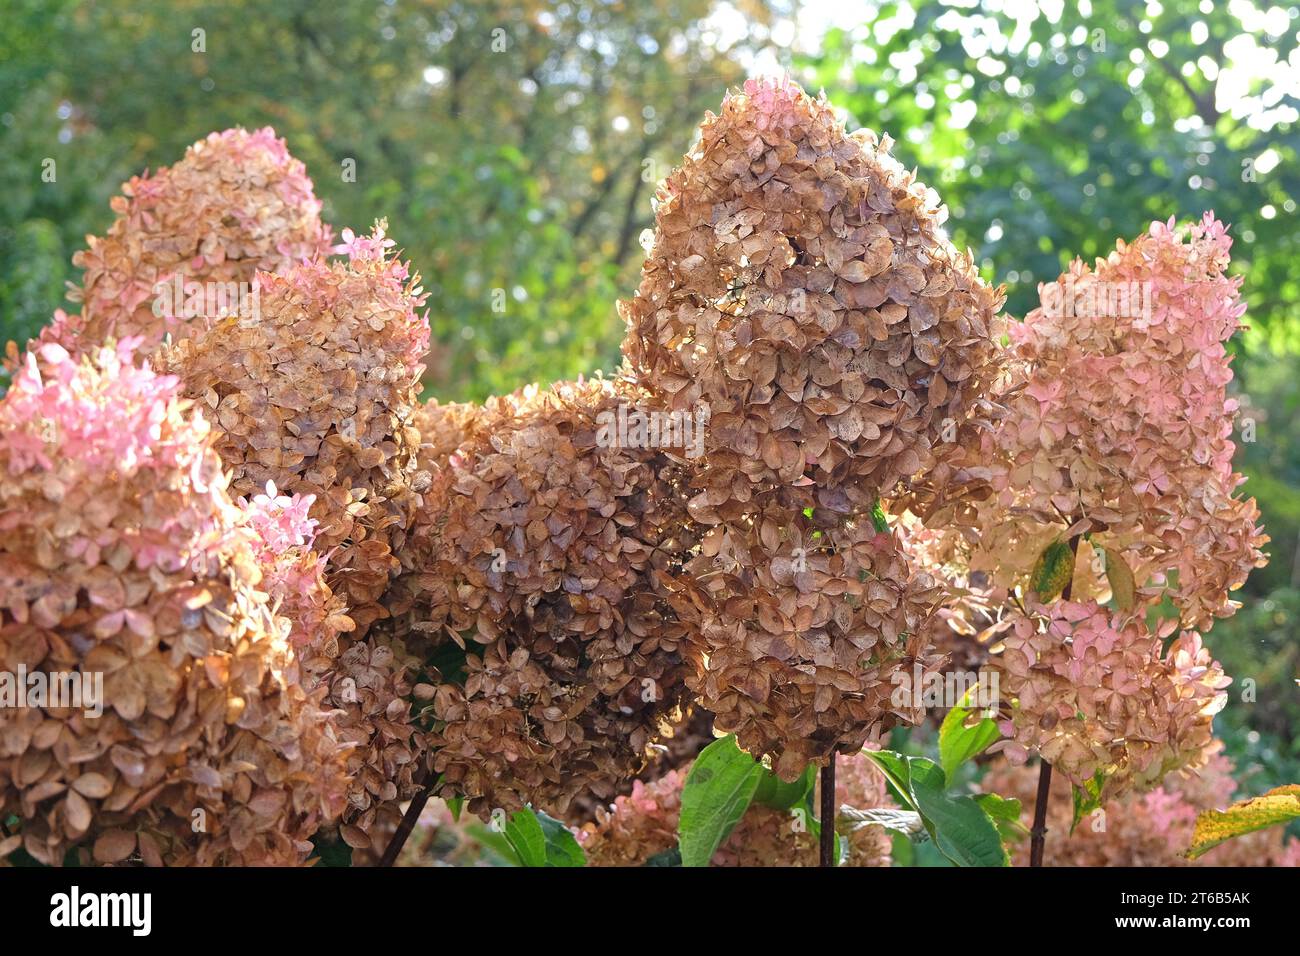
(1279, 805)
(878, 518)
(958, 825)
(1004, 812)
(1120, 577)
(774, 792)
(1052, 571)
(960, 740)
(718, 791)
(540, 840)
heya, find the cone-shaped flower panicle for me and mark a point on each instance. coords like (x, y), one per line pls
(125, 568)
(1118, 426)
(812, 636)
(319, 397)
(801, 286)
(1094, 692)
(237, 204)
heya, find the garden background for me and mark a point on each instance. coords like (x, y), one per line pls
(514, 148)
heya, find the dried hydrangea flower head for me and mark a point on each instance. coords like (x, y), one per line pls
(319, 397)
(1150, 829)
(237, 204)
(644, 823)
(550, 552)
(1119, 427)
(123, 556)
(366, 683)
(808, 634)
(419, 599)
(1094, 692)
(801, 285)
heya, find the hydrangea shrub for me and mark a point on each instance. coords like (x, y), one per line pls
(314, 598)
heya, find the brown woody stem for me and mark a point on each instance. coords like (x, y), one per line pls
(828, 813)
(1038, 835)
(404, 828)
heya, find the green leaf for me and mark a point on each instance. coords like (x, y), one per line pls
(456, 805)
(959, 742)
(878, 518)
(958, 825)
(540, 840)
(494, 841)
(960, 828)
(332, 853)
(774, 792)
(718, 791)
(1087, 798)
(1279, 805)
(1005, 814)
(894, 767)
(1052, 571)
(672, 857)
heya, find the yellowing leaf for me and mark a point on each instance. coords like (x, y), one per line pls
(1120, 576)
(1052, 571)
(1280, 805)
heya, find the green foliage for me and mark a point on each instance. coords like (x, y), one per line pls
(1259, 649)
(718, 790)
(1086, 798)
(541, 840)
(878, 518)
(960, 739)
(331, 852)
(1052, 571)
(774, 792)
(960, 827)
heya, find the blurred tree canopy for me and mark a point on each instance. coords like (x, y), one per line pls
(514, 148)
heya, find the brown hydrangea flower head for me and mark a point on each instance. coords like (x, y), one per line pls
(366, 683)
(802, 287)
(644, 823)
(123, 559)
(319, 397)
(551, 553)
(808, 634)
(418, 599)
(237, 204)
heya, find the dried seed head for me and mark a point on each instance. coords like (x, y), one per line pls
(544, 548)
(813, 637)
